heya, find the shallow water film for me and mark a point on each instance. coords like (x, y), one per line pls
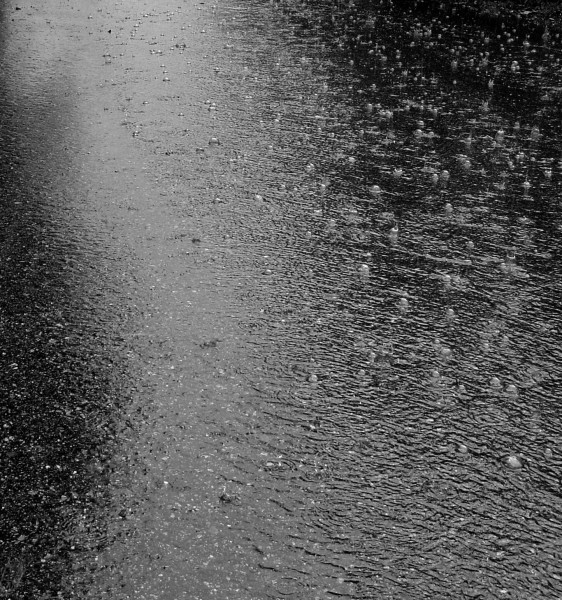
(280, 300)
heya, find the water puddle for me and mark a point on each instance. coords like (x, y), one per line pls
(326, 329)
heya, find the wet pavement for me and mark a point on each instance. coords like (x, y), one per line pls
(280, 302)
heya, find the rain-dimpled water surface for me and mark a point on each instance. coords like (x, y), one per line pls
(280, 300)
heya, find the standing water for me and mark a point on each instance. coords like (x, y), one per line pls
(290, 325)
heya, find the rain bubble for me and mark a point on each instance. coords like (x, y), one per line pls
(448, 209)
(375, 190)
(445, 175)
(435, 376)
(514, 462)
(535, 133)
(364, 270)
(495, 383)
